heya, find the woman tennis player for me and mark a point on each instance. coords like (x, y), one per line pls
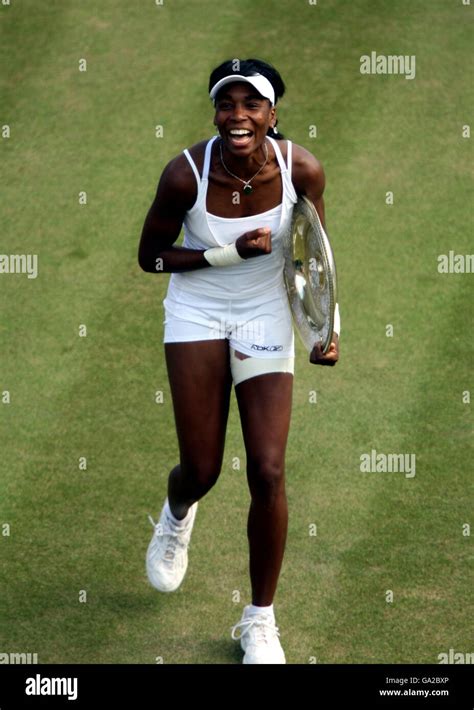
(228, 321)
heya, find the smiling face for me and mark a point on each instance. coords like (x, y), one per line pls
(243, 117)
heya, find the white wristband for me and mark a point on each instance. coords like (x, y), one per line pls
(337, 320)
(223, 256)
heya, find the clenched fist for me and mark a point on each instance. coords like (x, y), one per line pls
(254, 243)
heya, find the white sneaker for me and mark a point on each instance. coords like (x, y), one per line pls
(167, 554)
(259, 638)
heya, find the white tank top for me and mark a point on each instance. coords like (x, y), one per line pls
(202, 230)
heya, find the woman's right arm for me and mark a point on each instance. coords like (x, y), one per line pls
(176, 194)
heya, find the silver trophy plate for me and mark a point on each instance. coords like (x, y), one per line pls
(310, 276)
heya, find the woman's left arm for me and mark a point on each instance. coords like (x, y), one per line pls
(309, 180)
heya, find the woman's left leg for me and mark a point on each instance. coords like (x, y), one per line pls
(265, 409)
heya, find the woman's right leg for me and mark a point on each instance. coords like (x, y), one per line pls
(201, 383)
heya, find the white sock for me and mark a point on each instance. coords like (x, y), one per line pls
(252, 609)
(173, 519)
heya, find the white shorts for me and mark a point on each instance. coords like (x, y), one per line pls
(261, 330)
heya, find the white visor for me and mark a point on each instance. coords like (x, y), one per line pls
(258, 81)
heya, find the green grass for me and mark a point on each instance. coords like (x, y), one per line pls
(75, 530)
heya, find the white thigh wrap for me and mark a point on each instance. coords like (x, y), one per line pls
(254, 366)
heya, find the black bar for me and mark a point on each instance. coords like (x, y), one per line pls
(315, 686)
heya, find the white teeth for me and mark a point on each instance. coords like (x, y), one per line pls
(239, 132)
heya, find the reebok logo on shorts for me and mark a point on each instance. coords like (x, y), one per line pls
(269, 348)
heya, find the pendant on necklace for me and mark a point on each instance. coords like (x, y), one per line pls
(247, 189)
